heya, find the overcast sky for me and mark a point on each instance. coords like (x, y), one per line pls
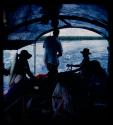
(76, 32)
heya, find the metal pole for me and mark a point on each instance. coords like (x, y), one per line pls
(34, 48)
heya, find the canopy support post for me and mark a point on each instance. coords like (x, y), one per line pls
(34, 48)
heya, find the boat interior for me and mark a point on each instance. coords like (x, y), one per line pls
(24, 23)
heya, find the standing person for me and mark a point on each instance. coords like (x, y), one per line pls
(53, 50)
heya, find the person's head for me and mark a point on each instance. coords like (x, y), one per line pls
(25, 55)
(85, 52)
(56, 32)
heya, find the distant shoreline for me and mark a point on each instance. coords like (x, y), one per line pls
(76, 38)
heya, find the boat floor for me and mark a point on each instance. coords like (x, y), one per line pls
(35, 105)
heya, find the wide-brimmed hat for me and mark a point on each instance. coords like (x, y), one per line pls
(86, 51)
(25, 54)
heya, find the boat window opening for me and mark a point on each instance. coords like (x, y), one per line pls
(73, 41)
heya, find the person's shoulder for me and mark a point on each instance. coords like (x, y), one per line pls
(58, 41)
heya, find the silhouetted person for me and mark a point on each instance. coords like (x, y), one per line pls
(84, 62)
(79, 88)
(53, 50)
(21, 69)
(21, 73)
(23, 65)
(97, 80)
(96, 69)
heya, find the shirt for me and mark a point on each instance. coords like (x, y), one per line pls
(52, 47)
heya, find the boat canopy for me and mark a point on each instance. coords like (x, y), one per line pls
(26, 22)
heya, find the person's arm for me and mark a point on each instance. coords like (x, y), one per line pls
(60, 50)
(71, 65)
(28, 71)
(77, 65)
(76, 70)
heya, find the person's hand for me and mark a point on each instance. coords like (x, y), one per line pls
(68, 65)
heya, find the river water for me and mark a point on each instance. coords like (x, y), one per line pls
(71, 55)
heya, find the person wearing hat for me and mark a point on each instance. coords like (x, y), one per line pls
(82, 75)
(20, 82)
(22, 67)
(85, 53)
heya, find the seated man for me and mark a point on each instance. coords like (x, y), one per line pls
(84, 62)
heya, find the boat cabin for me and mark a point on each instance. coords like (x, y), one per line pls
(27, 24)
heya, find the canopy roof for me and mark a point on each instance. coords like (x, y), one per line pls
(29, 21)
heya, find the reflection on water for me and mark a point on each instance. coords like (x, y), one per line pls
(71, 54)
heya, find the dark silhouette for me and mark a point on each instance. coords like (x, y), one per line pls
(23, 66)
(21, 69)
(6, 72)
(96, 69)
(21, 84)
(53, 50)
(84, 62)
(79, 83)
(90, 89)
(97, 81)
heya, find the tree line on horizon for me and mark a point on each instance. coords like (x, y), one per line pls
(76, 38)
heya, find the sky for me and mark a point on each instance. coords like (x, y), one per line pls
(75, 32)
